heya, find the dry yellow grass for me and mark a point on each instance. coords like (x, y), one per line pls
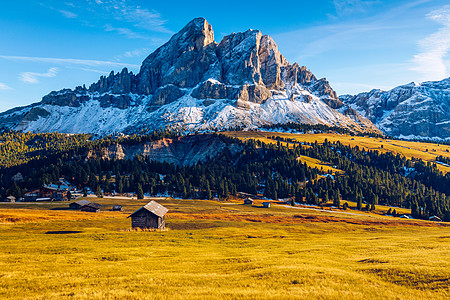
(222, 250)
(316, 163)
(404, 148)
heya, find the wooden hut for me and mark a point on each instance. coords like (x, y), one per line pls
(11, 199)
(248, 201)
(151, 215)
(91, 207)
(266, 204)
(435, 219)
(78, 204)
(117, 208)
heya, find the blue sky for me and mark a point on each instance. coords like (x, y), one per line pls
(357, 45)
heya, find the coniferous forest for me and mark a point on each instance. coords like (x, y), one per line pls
(273, 170)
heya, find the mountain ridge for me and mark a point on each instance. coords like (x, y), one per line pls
(194, 83)
(411, 111)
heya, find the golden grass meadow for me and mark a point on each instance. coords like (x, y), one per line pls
(220, 250)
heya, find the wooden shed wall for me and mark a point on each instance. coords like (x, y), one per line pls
(146, 219)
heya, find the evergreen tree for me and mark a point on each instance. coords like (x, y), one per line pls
(139, 192)
(359, 203)
(99, 192)
(208, 190)
(337, 199)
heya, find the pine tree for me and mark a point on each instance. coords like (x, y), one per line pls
(337, 199)
(99, 192)
(359, 203)
(139, 192)
(208, 190)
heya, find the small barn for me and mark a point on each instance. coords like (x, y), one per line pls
(78, 204)
(117, 208)
(91, 207)
(248, 201)
(435, 219)
(151, 215)
(266, 204)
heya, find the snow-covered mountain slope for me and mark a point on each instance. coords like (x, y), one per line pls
(194, 83)
(408, 111)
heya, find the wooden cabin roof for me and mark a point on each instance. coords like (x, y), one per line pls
(153, 207)
(82, 202)
(93, 205)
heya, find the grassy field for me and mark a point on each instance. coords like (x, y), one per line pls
(219, 250)
(425, 151)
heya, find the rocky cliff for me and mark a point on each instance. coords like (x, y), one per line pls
(182, 151)
(194, 83)
(409, 111)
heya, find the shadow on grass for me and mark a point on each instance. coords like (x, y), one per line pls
(63, 232)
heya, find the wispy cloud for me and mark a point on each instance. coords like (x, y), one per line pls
(430, 61)
(125, 17)
(125, 32)
(32, 77)
(90, 70)
(133, 14)
(70, 61)
(68, 14)
(4, 87)
(133, 53)
(348, 7)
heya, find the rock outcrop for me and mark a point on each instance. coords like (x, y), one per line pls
(181, 151)
(183, 61)
(410, 111)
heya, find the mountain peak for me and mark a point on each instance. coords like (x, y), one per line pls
(193, 82)
(197, 32)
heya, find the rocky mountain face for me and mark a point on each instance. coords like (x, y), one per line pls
(194, 83)
(182, 151)
(408, 111)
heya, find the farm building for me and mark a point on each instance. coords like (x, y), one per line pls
(248, 201)
(45, 192)
(78, 204)
(117, 208)
(266, 204)
(11, 199)
(91, 207)
(151, 215)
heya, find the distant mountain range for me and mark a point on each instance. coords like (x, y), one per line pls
(415, 110)
(195, 84)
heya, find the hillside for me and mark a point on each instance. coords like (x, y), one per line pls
(265, 165)
(429, 152)
(193, 83)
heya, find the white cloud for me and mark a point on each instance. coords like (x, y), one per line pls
(430, 61)
(125, 31)
(31, 77)
(68, 14)
(69, 61)
(136, 52)
(347, 7)
(4, 87)
(121, 11)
